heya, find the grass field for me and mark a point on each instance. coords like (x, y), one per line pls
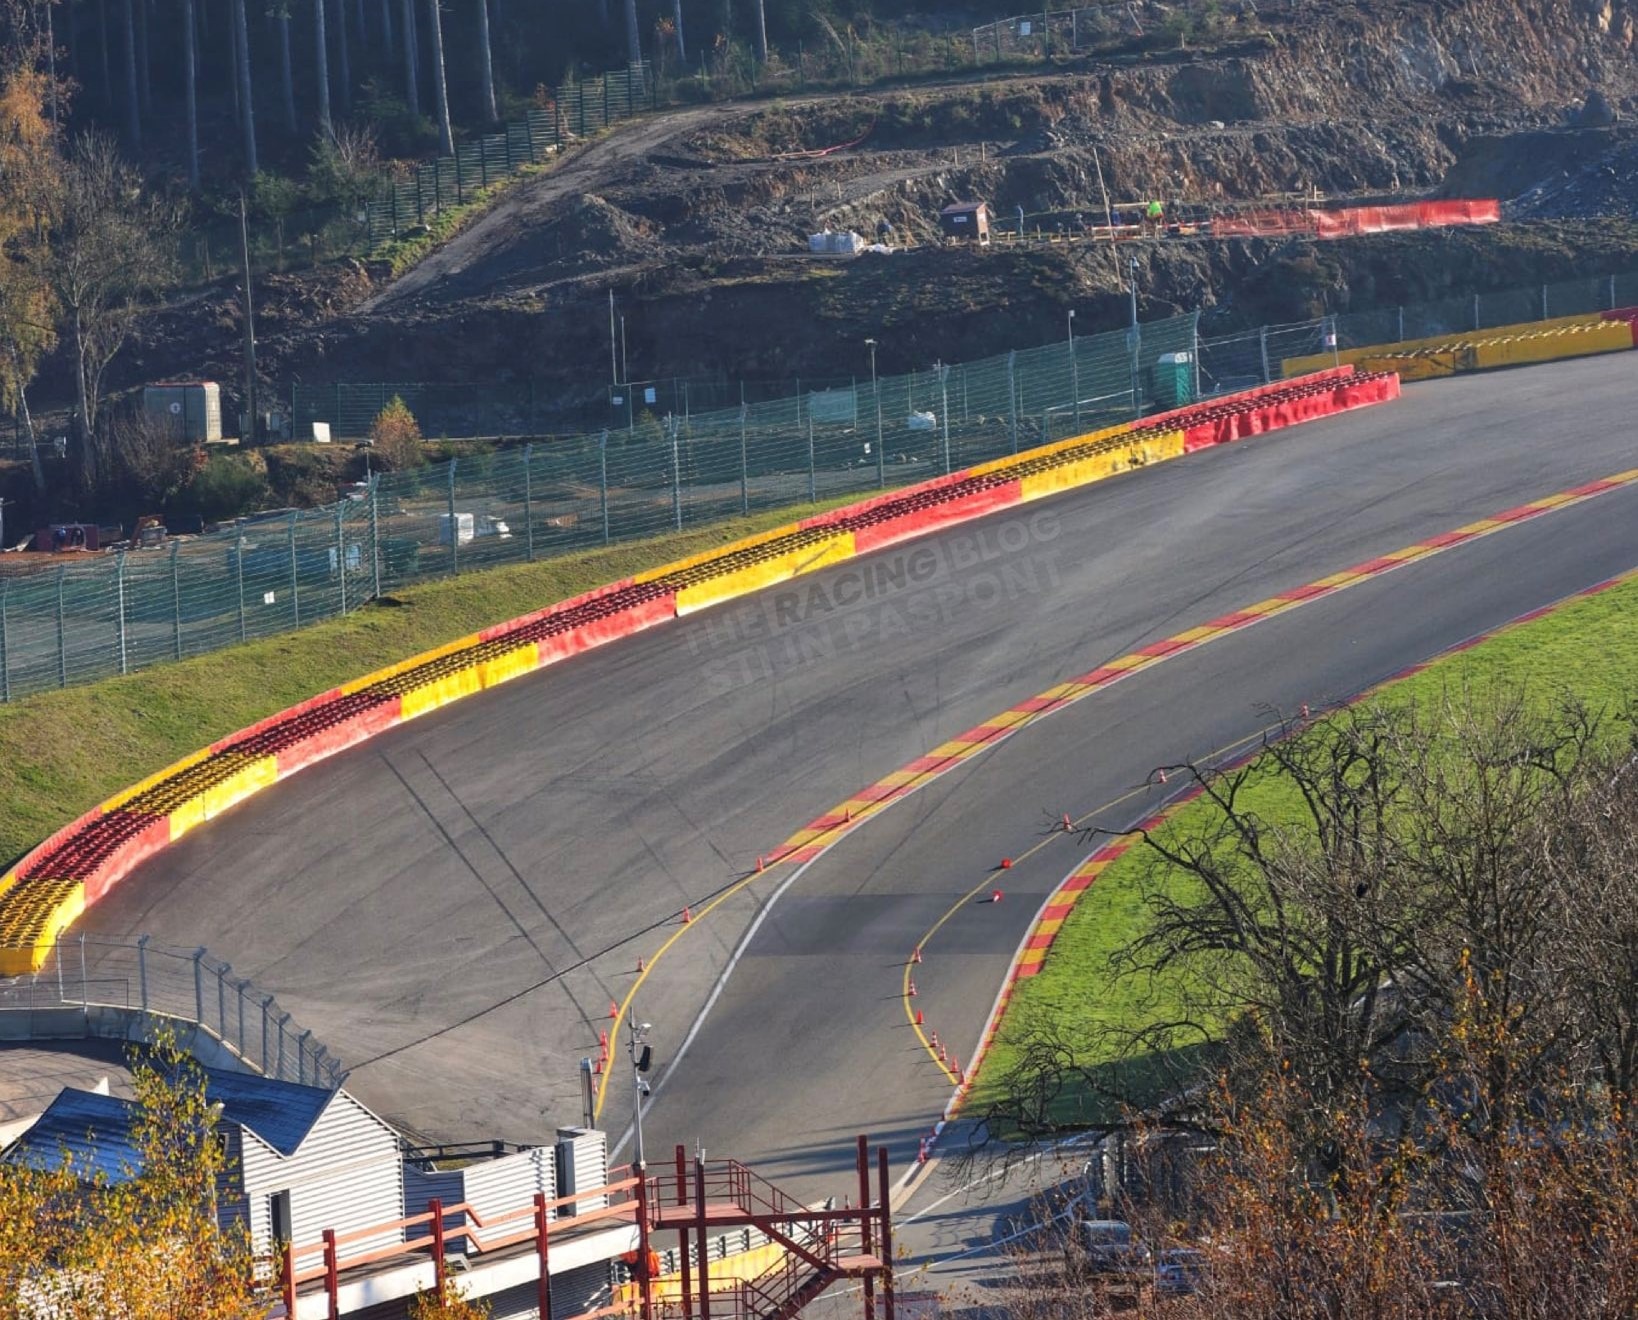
(1588, 647)
(63, 752)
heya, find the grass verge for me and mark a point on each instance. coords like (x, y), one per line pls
(1587, 647)
(63, 752)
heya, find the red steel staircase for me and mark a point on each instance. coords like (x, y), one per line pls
(821, 1245)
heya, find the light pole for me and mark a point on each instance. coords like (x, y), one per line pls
(1074, 371)
(642, 1055)
(3, 504)
(943, 369)
(1133, 341)
(876, 394)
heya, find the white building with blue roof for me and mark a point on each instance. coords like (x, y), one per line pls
(302, 1158)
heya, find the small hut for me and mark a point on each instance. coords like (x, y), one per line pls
(969, 221)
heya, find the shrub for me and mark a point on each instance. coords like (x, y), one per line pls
(225, 487)
(396, 436)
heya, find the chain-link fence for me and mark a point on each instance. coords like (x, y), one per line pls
(87, 618)
(164, 985)
(1242, 361)
(1485, 311)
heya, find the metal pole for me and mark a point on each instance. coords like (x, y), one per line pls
(699, 1220)
(250, 325)
(543, 1282)
(267, 1006)
(1074, 372)
(176, 600)
(646, 1276)
(341, 560)
(886, 1206)
(1262, 343)
(221, 998)
(528, 508)
(676, 479)
(239, 574)
(85, 980)
(603, 481)
(1612, 293)
(1401, 322)
(375, 539)
(62, 636)
(744, 467)
(944, 410)
(865, 1235)
(5, 650)
(198, 985)
(1476, 311)
(295, 576)
(119, 605)
(813, 494)
(142, 969)
(1012, 398)
(876, 394)
(1543, 302)
(454, 527)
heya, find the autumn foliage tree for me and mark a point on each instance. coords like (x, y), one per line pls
(395, 436)
(146, 1245)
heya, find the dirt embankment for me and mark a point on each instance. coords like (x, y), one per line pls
(698, 220)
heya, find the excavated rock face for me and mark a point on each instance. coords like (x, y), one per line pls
(706, 223)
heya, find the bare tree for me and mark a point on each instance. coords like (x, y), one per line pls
(109, 249)
(287, 81)
(247, 109)
(412, 61)
(190, 76)
(440, 86)
(321, 69)
(486, 64)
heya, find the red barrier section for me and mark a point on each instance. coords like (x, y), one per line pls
(587, 635)
(922, 521)
(523, 621)
(1358, 219)
(337, 738)
(147, 835)
(876, 501)
(1330, 392)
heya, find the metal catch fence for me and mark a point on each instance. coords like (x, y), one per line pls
(166, 984)
(72, 622)
(1486, 311)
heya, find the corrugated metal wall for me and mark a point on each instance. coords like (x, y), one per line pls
(346, 1174)
(490, 1186)
(582, 1162)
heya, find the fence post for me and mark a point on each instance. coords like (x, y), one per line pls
(1543, 302)
(603, 481)
(176, 600)
(744, 467)
(85, 980)
(119, 608)
(301, 1056)
(813, 494)
(528, 503)
(142, 969)
(240, 992)
(944, 410)
(1262, 344)
(375, 539)
(454, 528)
(5, 651)
(295, 577)
(239, 574)
(221, 999)
(1012, 399)
(62, 636)
(198, 985)
(1401, 335)
(1612, 293)
(267, 1007)
(676, 479)
(1476, 311)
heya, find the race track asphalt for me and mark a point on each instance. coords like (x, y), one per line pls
(452, 907)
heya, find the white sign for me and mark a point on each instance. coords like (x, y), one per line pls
(268, 597)
(648, 394)
(1023, 28)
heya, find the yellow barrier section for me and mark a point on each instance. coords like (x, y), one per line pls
(716, 552)
(509, 665)
(256, 774)
(777, 568)
(1301, 366)
(153, 780)
(1098, 467)
(392, 671)
(1482, 354)
(31, 920)
(1056, 447)
(440, 692)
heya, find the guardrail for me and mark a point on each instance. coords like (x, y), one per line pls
(129, 988)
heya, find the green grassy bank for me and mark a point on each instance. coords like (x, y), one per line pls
(1588, 648)
(63, 752)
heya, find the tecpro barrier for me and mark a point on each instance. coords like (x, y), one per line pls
(54, 884)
